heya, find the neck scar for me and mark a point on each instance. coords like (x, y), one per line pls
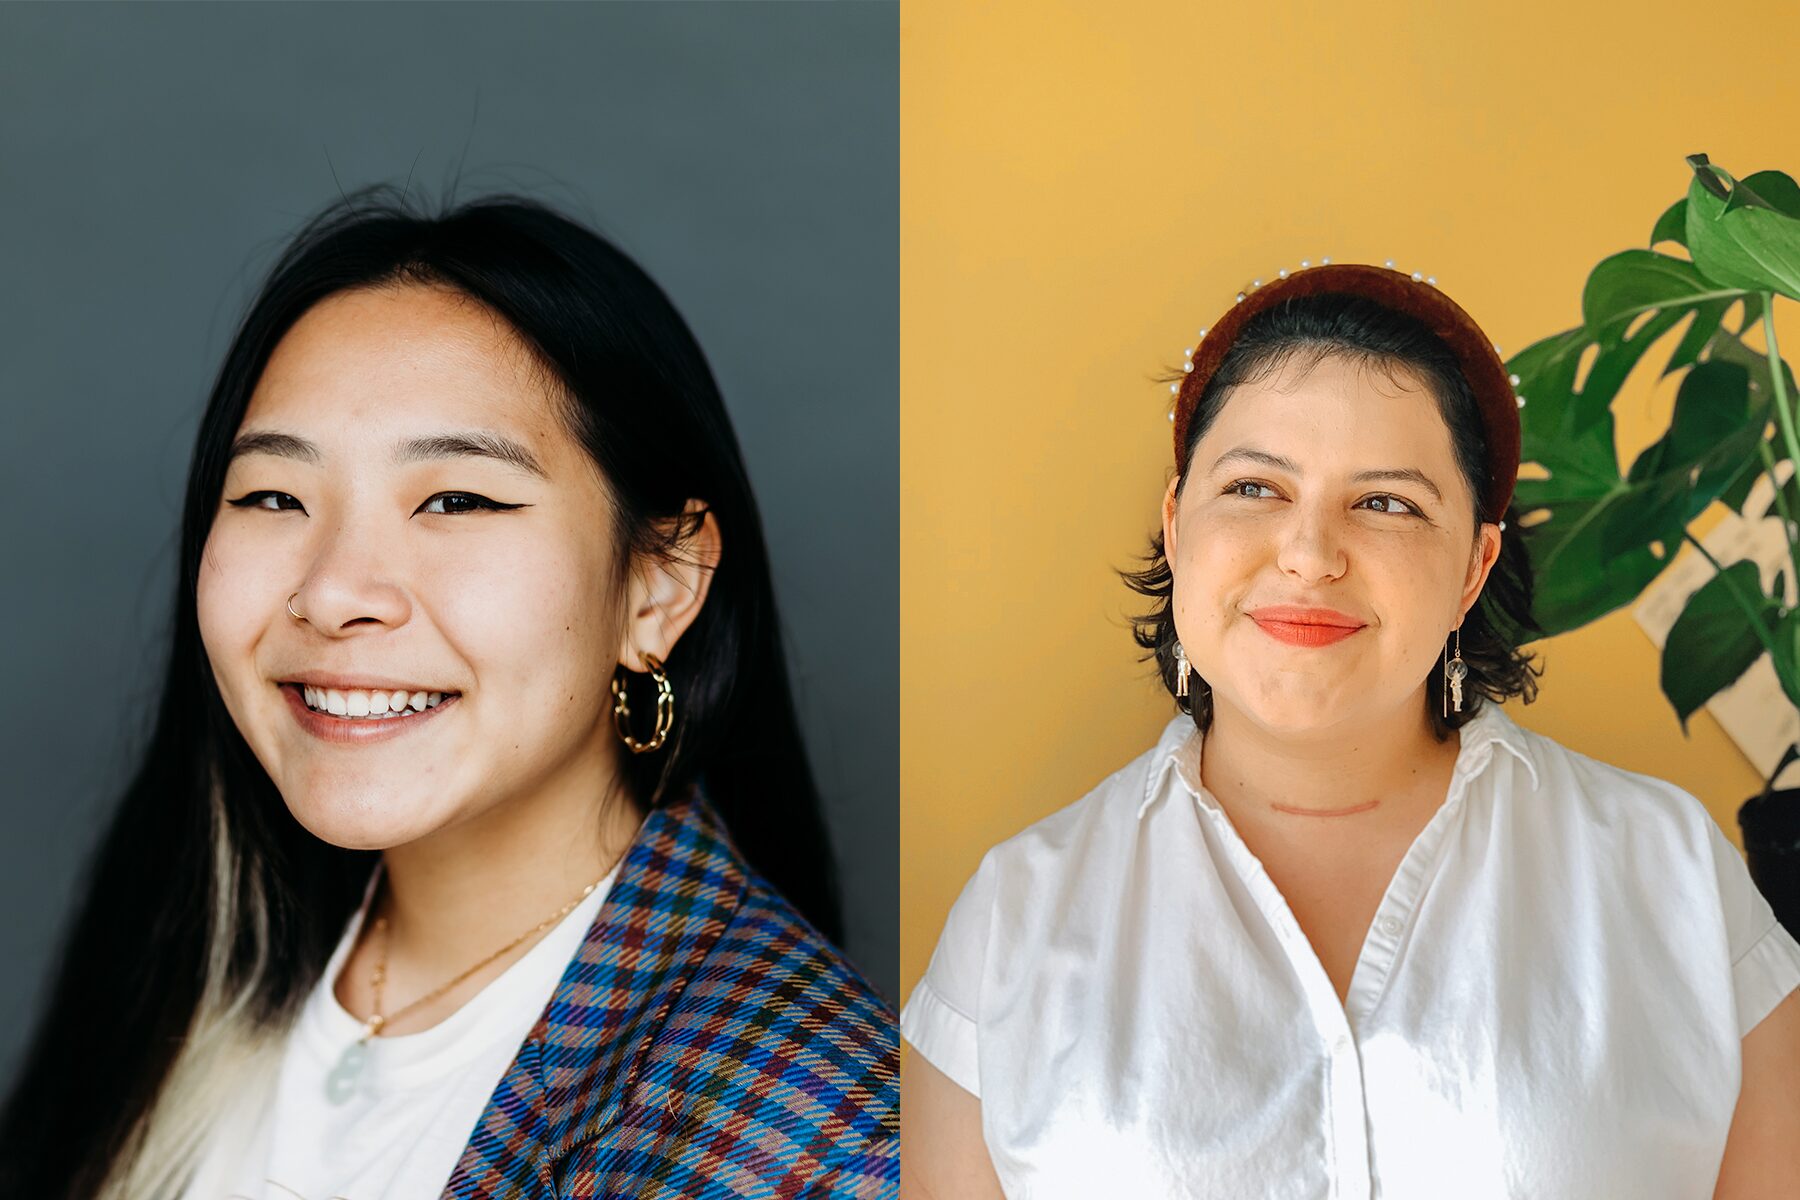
(1325, 812)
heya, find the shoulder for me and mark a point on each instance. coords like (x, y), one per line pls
(778, 1042)
(1607, 799)
(1656, 855)
(771, 969)
(1084, 847)
(708, 1041)
(1648, 845)
(1103, 819)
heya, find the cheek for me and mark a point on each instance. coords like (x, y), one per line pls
(538, 622)
(1212, 576)
(232, 596)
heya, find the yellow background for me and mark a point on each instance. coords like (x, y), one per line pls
(1083, 187)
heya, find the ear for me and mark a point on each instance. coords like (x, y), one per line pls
(1171, 507)
(664, 595)
(1481, 565)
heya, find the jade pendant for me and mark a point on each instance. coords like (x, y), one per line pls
(340, 1085)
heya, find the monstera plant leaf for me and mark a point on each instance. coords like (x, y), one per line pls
(1715, 639)
(1597, 536)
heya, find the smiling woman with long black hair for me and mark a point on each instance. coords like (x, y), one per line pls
(475, 850)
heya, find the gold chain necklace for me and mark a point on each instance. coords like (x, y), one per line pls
(340, 1084)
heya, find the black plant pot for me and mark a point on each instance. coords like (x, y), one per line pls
(1771, 826)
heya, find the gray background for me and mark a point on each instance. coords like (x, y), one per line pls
(154, 159)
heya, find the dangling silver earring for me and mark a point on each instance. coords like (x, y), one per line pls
(1455, 670)
(1181, 669)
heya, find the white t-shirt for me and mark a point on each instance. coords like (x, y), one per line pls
(418, 1096)
(1549, 1004)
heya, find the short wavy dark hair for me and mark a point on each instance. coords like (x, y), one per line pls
(1344, 325)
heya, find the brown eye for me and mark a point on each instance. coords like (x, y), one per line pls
(476, 503)
(252, 501)
(1410, 510)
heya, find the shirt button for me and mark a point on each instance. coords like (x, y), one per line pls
(1390, 925)
(1342, 1045)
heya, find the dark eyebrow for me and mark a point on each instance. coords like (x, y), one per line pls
(1281, 463)
(475, 443)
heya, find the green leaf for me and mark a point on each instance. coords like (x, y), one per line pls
(1713, 642)
(1625, 285)
(1737, 492)
(1744, 234)
(1672, 225)
(1773, 190)
(1714, 429)
(1786, 658)
(1707, 319)
(1729, 347)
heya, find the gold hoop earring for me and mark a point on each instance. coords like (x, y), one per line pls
(1455, 671)
(665, 708)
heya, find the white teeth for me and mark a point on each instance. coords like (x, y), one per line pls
(370, 705)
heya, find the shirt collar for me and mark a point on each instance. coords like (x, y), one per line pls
(1177, 753)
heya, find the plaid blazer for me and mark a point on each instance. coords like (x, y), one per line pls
(705, 1041)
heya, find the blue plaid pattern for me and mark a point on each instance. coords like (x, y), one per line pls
(704, 1042)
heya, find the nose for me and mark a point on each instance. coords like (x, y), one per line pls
(351, 582)
(1310, 544)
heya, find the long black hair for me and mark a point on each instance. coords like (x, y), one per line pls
(209, 913)
(1340, 324)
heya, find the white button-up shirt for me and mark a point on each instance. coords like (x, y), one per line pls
(1549, 1004)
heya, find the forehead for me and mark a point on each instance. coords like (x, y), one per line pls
(368, 365)
(1336, 410)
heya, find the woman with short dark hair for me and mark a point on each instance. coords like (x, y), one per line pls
(1346, 930)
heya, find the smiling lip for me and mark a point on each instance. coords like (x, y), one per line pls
(1294, 614)
(344, 731)
(1299, 625)
(1306, 635)
(344, 683)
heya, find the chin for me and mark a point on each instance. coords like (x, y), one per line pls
(353, 822)
(1286, 720)
(1302, 711)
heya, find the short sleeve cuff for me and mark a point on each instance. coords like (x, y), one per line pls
(1764, 975)
(943, 1035)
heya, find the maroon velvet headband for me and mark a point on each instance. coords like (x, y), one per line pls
(1479, 359)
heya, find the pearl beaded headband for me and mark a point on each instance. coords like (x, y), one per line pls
(1417, 295)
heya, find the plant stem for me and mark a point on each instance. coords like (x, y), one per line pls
(1787, 518)
(1786, 419)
